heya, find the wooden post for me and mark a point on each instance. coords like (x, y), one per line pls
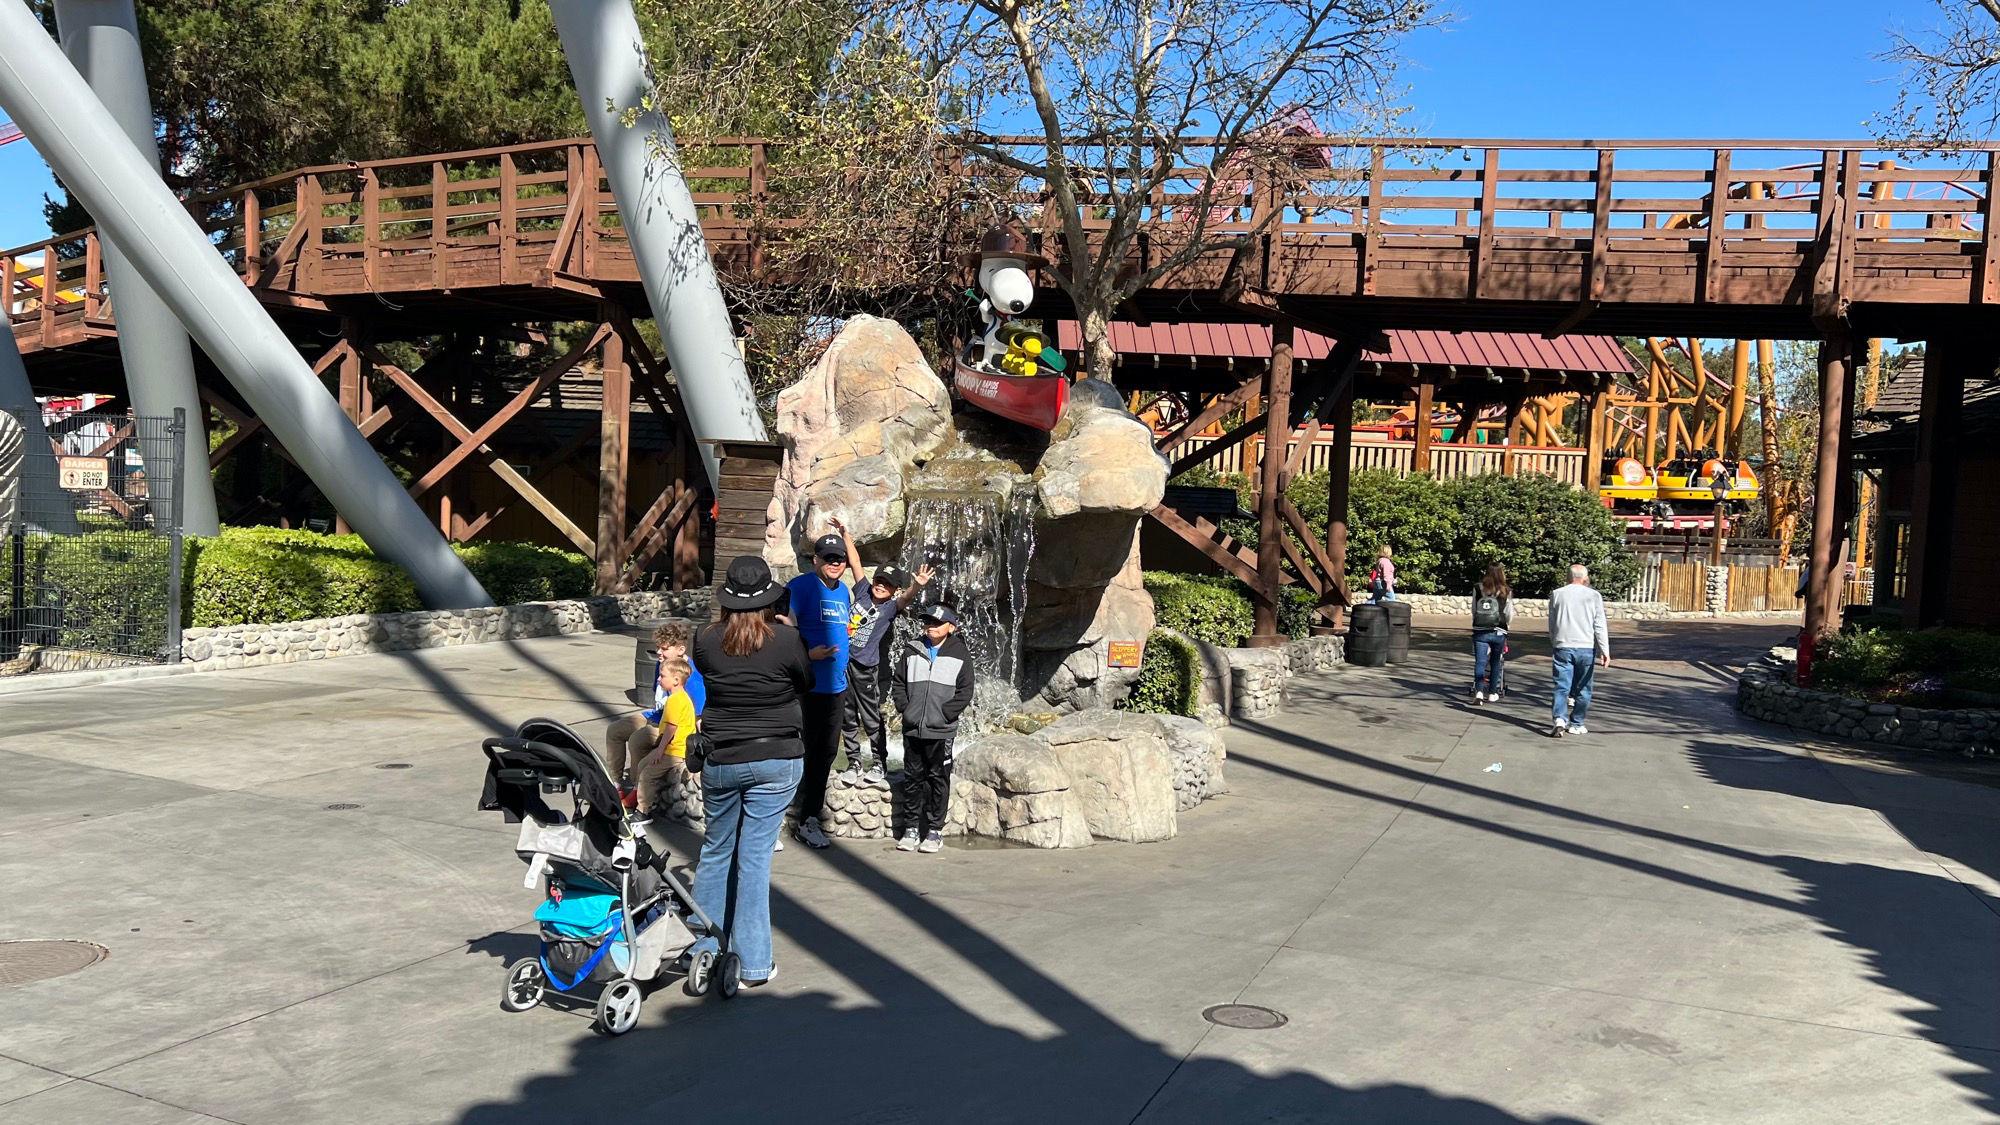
(252, 214)
(1270, 528)
(352, 379)
(614, 433)
(1339, 473)
(1420, 460)
(1593, 441)
(1739, 391)
(1934, 484)
(1836, 371)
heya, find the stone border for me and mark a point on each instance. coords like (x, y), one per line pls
(256, 645)
(1767, 690)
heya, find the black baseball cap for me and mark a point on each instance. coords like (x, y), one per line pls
(940, 613)
(889, 574)
(830, 547)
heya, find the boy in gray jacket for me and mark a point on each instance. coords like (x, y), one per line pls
(933, 687)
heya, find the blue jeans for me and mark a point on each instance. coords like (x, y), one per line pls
(1489, 660)
(758, 792)
(1574, 668)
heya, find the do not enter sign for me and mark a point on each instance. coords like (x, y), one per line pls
(83, 474)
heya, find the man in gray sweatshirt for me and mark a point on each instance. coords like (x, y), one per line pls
(1581, 642)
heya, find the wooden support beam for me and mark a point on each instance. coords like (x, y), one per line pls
(548, 508)
(1718, 224)
(1600, 229)
(1330, 586)
(1217, 447)
(656, 535)
(1935, 481)
(614, 430)
(1340, 471)
(1344, 361)
(1489, 198)
(546, 466)
(475, 440)
(1593, 441)
(1270, 529)
(1201, 536)
(1209, 415)
(1836, 375)
(1420, 458)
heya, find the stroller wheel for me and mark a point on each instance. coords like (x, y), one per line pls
(700, 966)
(618, 1007)
(729, 976)
(525, 986)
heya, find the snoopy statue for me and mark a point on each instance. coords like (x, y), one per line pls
(1010, 369)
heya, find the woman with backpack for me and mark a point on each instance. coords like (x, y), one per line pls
(1492, 614)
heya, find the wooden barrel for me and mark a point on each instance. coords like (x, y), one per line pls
(1399, 630)
(1368, 636)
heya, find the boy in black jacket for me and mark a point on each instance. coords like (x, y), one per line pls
(933, 686)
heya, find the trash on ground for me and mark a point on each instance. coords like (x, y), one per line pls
(1494, 768)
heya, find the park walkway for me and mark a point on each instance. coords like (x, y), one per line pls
(1682, 917)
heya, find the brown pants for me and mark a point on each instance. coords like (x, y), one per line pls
(627, 742)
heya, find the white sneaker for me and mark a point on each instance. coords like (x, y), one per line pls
(1560, 728)
(781, 845)
(907, 842)
(1478, 698)
(932, 843)
(1578, 728)
(809, 833)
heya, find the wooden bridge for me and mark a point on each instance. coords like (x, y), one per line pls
(1747, 238)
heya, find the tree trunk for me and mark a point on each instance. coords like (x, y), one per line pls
(1098, 357)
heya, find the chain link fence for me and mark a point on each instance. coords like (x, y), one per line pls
(90, 540)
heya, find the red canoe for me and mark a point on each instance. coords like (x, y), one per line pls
(1031, 400)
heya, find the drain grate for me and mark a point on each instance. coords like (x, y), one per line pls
(1249, 1017)
(342, 806)
(24, 962)
(393, 766)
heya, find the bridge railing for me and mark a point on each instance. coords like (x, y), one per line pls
(544, 208)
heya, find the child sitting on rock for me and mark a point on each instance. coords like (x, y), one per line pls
(662, 771)
(630, 739)
(933, 687)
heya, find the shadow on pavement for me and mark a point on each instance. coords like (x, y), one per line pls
(915, 1054)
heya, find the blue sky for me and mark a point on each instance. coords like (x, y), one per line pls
(1511, 68)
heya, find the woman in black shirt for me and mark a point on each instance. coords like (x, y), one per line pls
(756, 670)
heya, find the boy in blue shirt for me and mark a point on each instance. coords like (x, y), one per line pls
(821, 604)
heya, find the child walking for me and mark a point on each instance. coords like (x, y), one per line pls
(933, 686)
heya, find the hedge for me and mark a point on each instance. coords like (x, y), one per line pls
(267, 575)
(1169, 680)
(1919, 668)
(1446, 533)
(107, 586)
(1207, 608)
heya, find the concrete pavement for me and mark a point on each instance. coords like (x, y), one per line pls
(1681, 917)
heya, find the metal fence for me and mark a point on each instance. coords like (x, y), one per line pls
(90, 539)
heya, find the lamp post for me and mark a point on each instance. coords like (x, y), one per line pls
(1718, 486)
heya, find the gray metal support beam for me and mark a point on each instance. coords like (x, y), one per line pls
(27, 473)
(607, 58)
(101, 38)
(73, 131)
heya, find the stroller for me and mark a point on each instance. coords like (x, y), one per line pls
(614, 915)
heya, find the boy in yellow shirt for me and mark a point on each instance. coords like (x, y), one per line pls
(663, 769)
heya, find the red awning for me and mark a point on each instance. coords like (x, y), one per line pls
(1502, 351)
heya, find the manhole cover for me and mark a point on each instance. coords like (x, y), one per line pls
(1376, 719)
(23, 962)
(342, 806)
(1249, 1017)
(393, 766)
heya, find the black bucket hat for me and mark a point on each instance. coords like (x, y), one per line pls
(748, 585)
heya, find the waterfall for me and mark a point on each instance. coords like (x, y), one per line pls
(980, 548)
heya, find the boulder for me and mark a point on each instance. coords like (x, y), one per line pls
(1100, 459)
(1011, 763)
(870, 398)
(1120, 772)
(1066, 635)
(1198, 752)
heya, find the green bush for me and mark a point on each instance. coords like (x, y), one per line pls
(1446, 533)
(1929, 667)
(1295, 611)
(109, 588)
(524, 572)
(1169, 680)
(1212, 609)
(270, 575)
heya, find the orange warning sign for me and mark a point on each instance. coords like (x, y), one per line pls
(1125, 654)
